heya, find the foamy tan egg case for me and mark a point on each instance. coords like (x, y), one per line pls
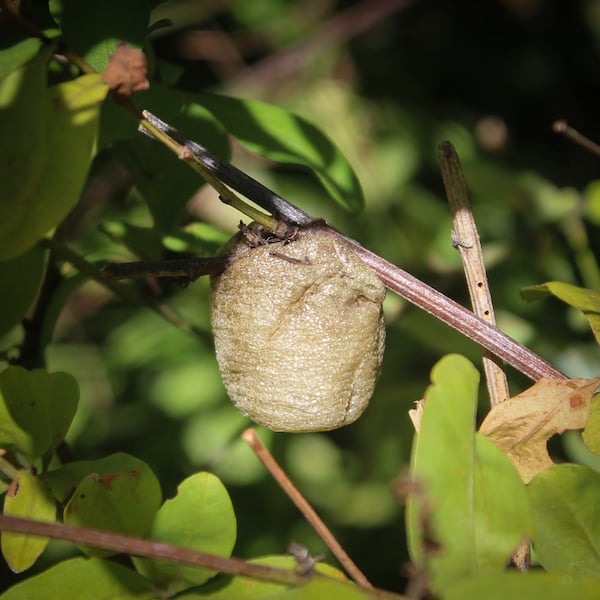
(298, 330)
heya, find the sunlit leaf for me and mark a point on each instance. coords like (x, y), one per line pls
(36, 409)
(523, 425)
(18, 53)
(200, 517)
(587, 301)
(23, 122)
(83, 579)
(468, 510)
(28, 497)
(286, 138)
(43, 168)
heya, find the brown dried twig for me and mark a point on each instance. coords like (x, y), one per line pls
(284, 482)
(466, 240)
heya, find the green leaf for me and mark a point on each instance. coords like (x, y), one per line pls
(43, 169)
(117, 493)
(567, 522)
(470, 509)
(36, 409)
(286, 138)
(244, 588)
(31, 499)
(17, 49)
(200, 517)
(63, 481)
(591, 433)
(249, 589)
(526, 586)
(23, 122)
(587, 301)
(83, 579)
(19, 282)
(95, 28)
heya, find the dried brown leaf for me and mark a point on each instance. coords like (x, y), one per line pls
(126, 71)
(523, 425)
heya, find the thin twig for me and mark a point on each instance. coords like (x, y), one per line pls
(127, 293)
(561, 126)
(136, 546)
(117, 542)
(188, 269)
(215, 170)
(466, 239)
(456, 316)
(250, 437)
(7, 469)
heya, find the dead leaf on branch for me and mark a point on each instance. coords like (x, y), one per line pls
(523, 425)
(126, 71)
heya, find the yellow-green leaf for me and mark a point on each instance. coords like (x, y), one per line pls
(591, 433)
(28, 497)
(587, 301)
(469, 509)
(200, 517)
(52, 141)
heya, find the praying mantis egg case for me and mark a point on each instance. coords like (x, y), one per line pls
(299, 332)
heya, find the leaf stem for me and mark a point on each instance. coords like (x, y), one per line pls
(7, 468)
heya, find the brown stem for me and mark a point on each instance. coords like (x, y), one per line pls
(117, 542)
(466, 240)
(561, 126)
(456, 316)
(188, 269)
(250, 437)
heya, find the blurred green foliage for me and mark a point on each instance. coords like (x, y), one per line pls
(489, 76)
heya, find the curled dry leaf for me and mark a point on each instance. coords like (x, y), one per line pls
(126, 71)
(523, 425)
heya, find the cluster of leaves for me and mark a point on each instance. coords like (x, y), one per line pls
(467, 509)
